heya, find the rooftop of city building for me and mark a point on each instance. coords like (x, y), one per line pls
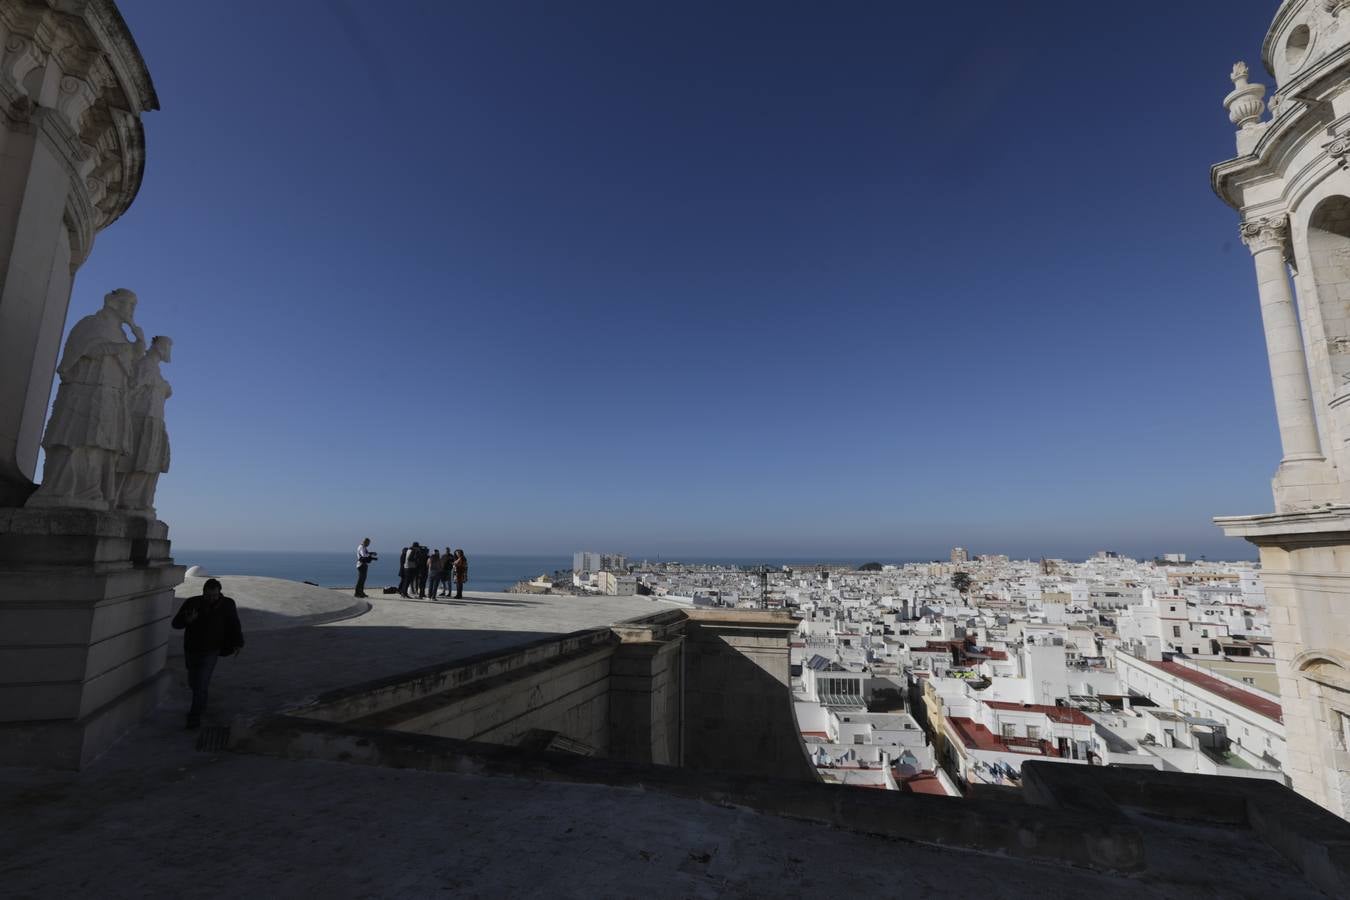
(1248, 699)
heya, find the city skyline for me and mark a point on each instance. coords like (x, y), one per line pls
(662, 556)
(722, 281)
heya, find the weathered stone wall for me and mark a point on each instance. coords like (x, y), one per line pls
(709, 691)
(555, 684)
(571, 698)
(646, 699)
(1308, 592)
(738, 702)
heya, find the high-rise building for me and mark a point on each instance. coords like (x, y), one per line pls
(586, 561)
(960, 555)
(1290, 186)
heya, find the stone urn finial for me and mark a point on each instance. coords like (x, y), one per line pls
(1245, 103)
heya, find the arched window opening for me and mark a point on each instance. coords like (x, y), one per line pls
(1329, 250)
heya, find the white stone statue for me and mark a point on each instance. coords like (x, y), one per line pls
(89, 430)
(148, 454)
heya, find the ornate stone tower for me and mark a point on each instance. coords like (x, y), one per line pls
(85, 594)
(72, 90)
(1290, 186)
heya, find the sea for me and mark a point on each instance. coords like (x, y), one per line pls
(486, 572)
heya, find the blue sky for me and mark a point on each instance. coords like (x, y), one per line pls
(698, 278)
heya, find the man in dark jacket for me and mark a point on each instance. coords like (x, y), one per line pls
(211, 629)
(423, 568)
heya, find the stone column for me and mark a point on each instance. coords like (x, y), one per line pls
(1267, 239)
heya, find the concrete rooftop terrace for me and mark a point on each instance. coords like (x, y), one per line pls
(287, 660)
(156, 817)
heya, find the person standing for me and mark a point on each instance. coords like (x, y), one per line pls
(211, 629)
(448, 572)
(423, 554)
(434, 573)
(461, 567)
(405, 570)
(364, 556)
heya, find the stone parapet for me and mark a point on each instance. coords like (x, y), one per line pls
(1318, 845)
(1062, 836)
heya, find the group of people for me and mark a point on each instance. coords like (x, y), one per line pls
(423, 572)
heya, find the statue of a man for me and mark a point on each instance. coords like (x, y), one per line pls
(148, 455)
(89, 430)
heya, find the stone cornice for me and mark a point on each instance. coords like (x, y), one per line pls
(1320, 525)
(126, 55)
(1299, 118)
(92, 74)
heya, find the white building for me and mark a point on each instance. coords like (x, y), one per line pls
(586, 562)
(1250, 718)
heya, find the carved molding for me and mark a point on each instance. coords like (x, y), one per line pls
(1326, 667)
(1334, 7)
(94, 79)
(1266, 233)
(21, 57)
(1338, 150)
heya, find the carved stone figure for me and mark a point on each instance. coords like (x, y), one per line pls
(148, 454)
(89, 430)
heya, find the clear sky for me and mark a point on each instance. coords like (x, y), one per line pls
(795, 279)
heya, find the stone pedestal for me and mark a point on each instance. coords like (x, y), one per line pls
(85, 603)
(1305, 566)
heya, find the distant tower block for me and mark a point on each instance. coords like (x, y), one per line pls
(1291, 189)
(960, 555)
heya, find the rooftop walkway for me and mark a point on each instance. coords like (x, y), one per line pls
(282, 666)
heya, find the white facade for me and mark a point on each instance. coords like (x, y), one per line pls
(1244, 711)
(585, 562)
